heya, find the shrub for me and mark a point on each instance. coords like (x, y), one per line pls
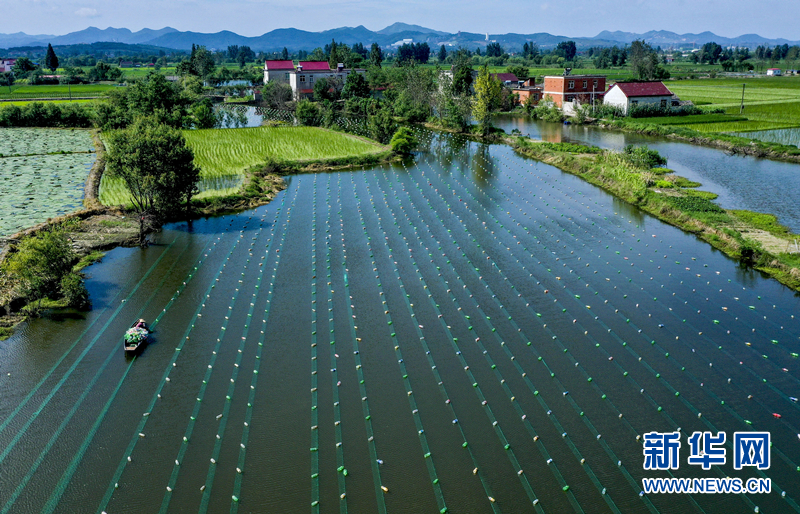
(403, 141)
(307, 113)
(643, 157)
(664, 184)
(74, 291)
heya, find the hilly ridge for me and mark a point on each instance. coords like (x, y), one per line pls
(297, 39)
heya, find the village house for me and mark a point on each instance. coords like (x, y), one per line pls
(567, 88)
(301, 77)
(774, 72)
(7, 65)
(630, 94)
(528, 89)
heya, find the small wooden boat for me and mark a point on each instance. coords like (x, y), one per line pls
(136, 336)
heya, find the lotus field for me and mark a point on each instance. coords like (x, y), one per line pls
(224, 154)
(43, 173)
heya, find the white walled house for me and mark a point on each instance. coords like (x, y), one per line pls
(774, 72)
(301, 78)
(628, 94)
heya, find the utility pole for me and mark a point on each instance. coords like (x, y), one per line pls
(741, 109)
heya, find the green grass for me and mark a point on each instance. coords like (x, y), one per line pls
(224, 155)
(766, 222)
(26, 102)
(693, 119)
(735, 126)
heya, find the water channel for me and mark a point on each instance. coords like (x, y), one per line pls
(470, 332)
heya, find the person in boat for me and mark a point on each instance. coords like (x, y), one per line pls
(141, 324)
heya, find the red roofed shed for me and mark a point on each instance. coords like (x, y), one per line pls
(315, 65)
(278, 65)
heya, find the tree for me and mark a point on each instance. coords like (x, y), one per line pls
(494, 50)
(276, 95)
(566, 49)
(7, 79)
(355, 86)
(51, 60)
(324, 90)
(375, 55)
(202, 62)
(22, 67)
(487, 98)
(442, 53)
(521, 72)
(42, 265)
(244, 55)
(462, 73)
(382, 126)
(285, 54)
(332, 53)
(645, 63)
(157, 168)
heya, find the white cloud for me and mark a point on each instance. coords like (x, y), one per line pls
(87, 12)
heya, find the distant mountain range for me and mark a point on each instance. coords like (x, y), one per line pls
(295, 39)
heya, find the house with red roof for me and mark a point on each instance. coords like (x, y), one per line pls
(630, 94)
(506, 79)
(278, 71)
(301, 77)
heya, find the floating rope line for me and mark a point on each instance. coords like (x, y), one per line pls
(431, 362)
(135, 438)
(337, 418)
(376, 475)
(749, 370)
(314, 399)
(774, 342)
(428, 457)
(483, 317)
(253, 387)
(206, 489)
(243, 340)
(75, 363)
(73, 465)
(533, 390)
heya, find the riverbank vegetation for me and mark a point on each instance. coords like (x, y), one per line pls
(638, 177)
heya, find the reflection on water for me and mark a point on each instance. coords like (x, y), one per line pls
(471, 324)
(741, 182)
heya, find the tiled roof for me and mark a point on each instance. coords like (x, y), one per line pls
(505, 77)
(633, 89)
(315, 65)
(279, 65)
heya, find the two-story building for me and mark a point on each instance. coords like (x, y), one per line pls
(302, 77)
(567, 88)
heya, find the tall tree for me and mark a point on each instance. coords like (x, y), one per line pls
(285, 54)
(51, 59)
(157, 168)
(487, 98)
(462, 73)
(355, 86)
(333, 54)
(7, 79)
(442, 53)
(375, 55)
(566, 49)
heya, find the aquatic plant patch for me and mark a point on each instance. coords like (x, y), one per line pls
(38, 187)
(37, 141)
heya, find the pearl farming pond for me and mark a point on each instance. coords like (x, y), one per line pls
(468, 332)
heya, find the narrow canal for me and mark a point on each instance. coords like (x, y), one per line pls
(471, 331)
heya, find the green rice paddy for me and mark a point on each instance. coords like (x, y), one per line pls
(224, 154)
(770, 103)
(55, 91)
(39, 181)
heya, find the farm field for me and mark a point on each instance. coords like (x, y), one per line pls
(55, 91)
(39, 183)
(770, 103)
(224, 154)
(20, 103)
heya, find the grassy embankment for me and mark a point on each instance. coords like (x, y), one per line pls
(754, 238)
(242, 167)
(26, 92)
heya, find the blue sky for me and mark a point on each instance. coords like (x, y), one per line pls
(254, 17)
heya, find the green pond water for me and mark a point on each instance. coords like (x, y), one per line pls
(471, 331)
